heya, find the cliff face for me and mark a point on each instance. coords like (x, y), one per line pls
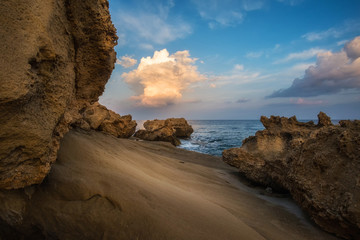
(318, 164)
(57, 56)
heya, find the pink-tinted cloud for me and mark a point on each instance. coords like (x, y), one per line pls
(302, 101)
(332, 73)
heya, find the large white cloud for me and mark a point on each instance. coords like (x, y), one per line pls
(160, 80)
(332, 73)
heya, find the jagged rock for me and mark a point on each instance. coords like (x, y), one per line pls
(156, 130)
(165, 130)
(324, 120)
(181, 126)
(97, 117)
(59, 55)
(318, 164)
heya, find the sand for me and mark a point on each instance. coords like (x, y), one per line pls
(102, 187)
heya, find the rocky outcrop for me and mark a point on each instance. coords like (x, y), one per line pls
(181, 127)
(98, 117)
(168, 130)
(318, 164)
(56, 57)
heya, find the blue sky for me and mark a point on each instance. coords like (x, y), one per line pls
(235, 59)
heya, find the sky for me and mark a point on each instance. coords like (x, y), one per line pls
(235, 59)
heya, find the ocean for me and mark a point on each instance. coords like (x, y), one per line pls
(214, 136)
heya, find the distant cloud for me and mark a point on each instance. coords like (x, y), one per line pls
(152, 23)
(238, 67)
(220, 13)
(126, 61)
(334, 32)
(302, 101)
(291, 2)
(254, 54)
(146, 46)
(160, 80)
(301, 66)
(332, 73)
(306, 54)
(243, 100)
(342, 42)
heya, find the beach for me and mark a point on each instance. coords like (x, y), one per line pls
(102, 187)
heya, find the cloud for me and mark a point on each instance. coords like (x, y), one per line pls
(243, 100)
(302, 101)
(146, 46)
(332, 73)
(160, 80)
(334, 32)
(254, 54)
(126, 61)
(238, 67)
(306, 54)
(152, 22)
(227, 13)
(291, 2)
(342, 42)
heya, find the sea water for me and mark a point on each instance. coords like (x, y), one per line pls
(214, 136)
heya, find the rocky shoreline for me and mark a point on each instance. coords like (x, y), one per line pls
(318, 164)
(66, 172)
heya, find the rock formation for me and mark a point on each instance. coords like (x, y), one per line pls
(57, 56)
(168, 130)
(98, 117)
(318, 164)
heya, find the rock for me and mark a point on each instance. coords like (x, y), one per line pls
(181, 126)
(95, 114)
(97, 117)
(318, 164)
(57, 55)
(156, 132)
(324, 120)
(165, 130)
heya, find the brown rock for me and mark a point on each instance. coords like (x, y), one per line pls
(181, 126)
(318, 164)
(164, 133)
(324, 120)
(95, 114)
(165, 130)
(57, 56)
(98, 117)
(122, 127)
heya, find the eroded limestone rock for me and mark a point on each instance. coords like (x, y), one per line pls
(97, 117)
(168, 130)
(318, 164)
(57, 56)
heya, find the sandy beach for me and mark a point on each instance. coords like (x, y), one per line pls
(102, 187)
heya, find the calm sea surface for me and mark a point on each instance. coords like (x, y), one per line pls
(213, 136)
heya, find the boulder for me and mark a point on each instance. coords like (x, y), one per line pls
(156, 130)
(168, 130)
(56, 58)
(181, 126)
(97, 117)
(318, 164)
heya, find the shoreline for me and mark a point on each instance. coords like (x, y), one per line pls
(152, 190)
